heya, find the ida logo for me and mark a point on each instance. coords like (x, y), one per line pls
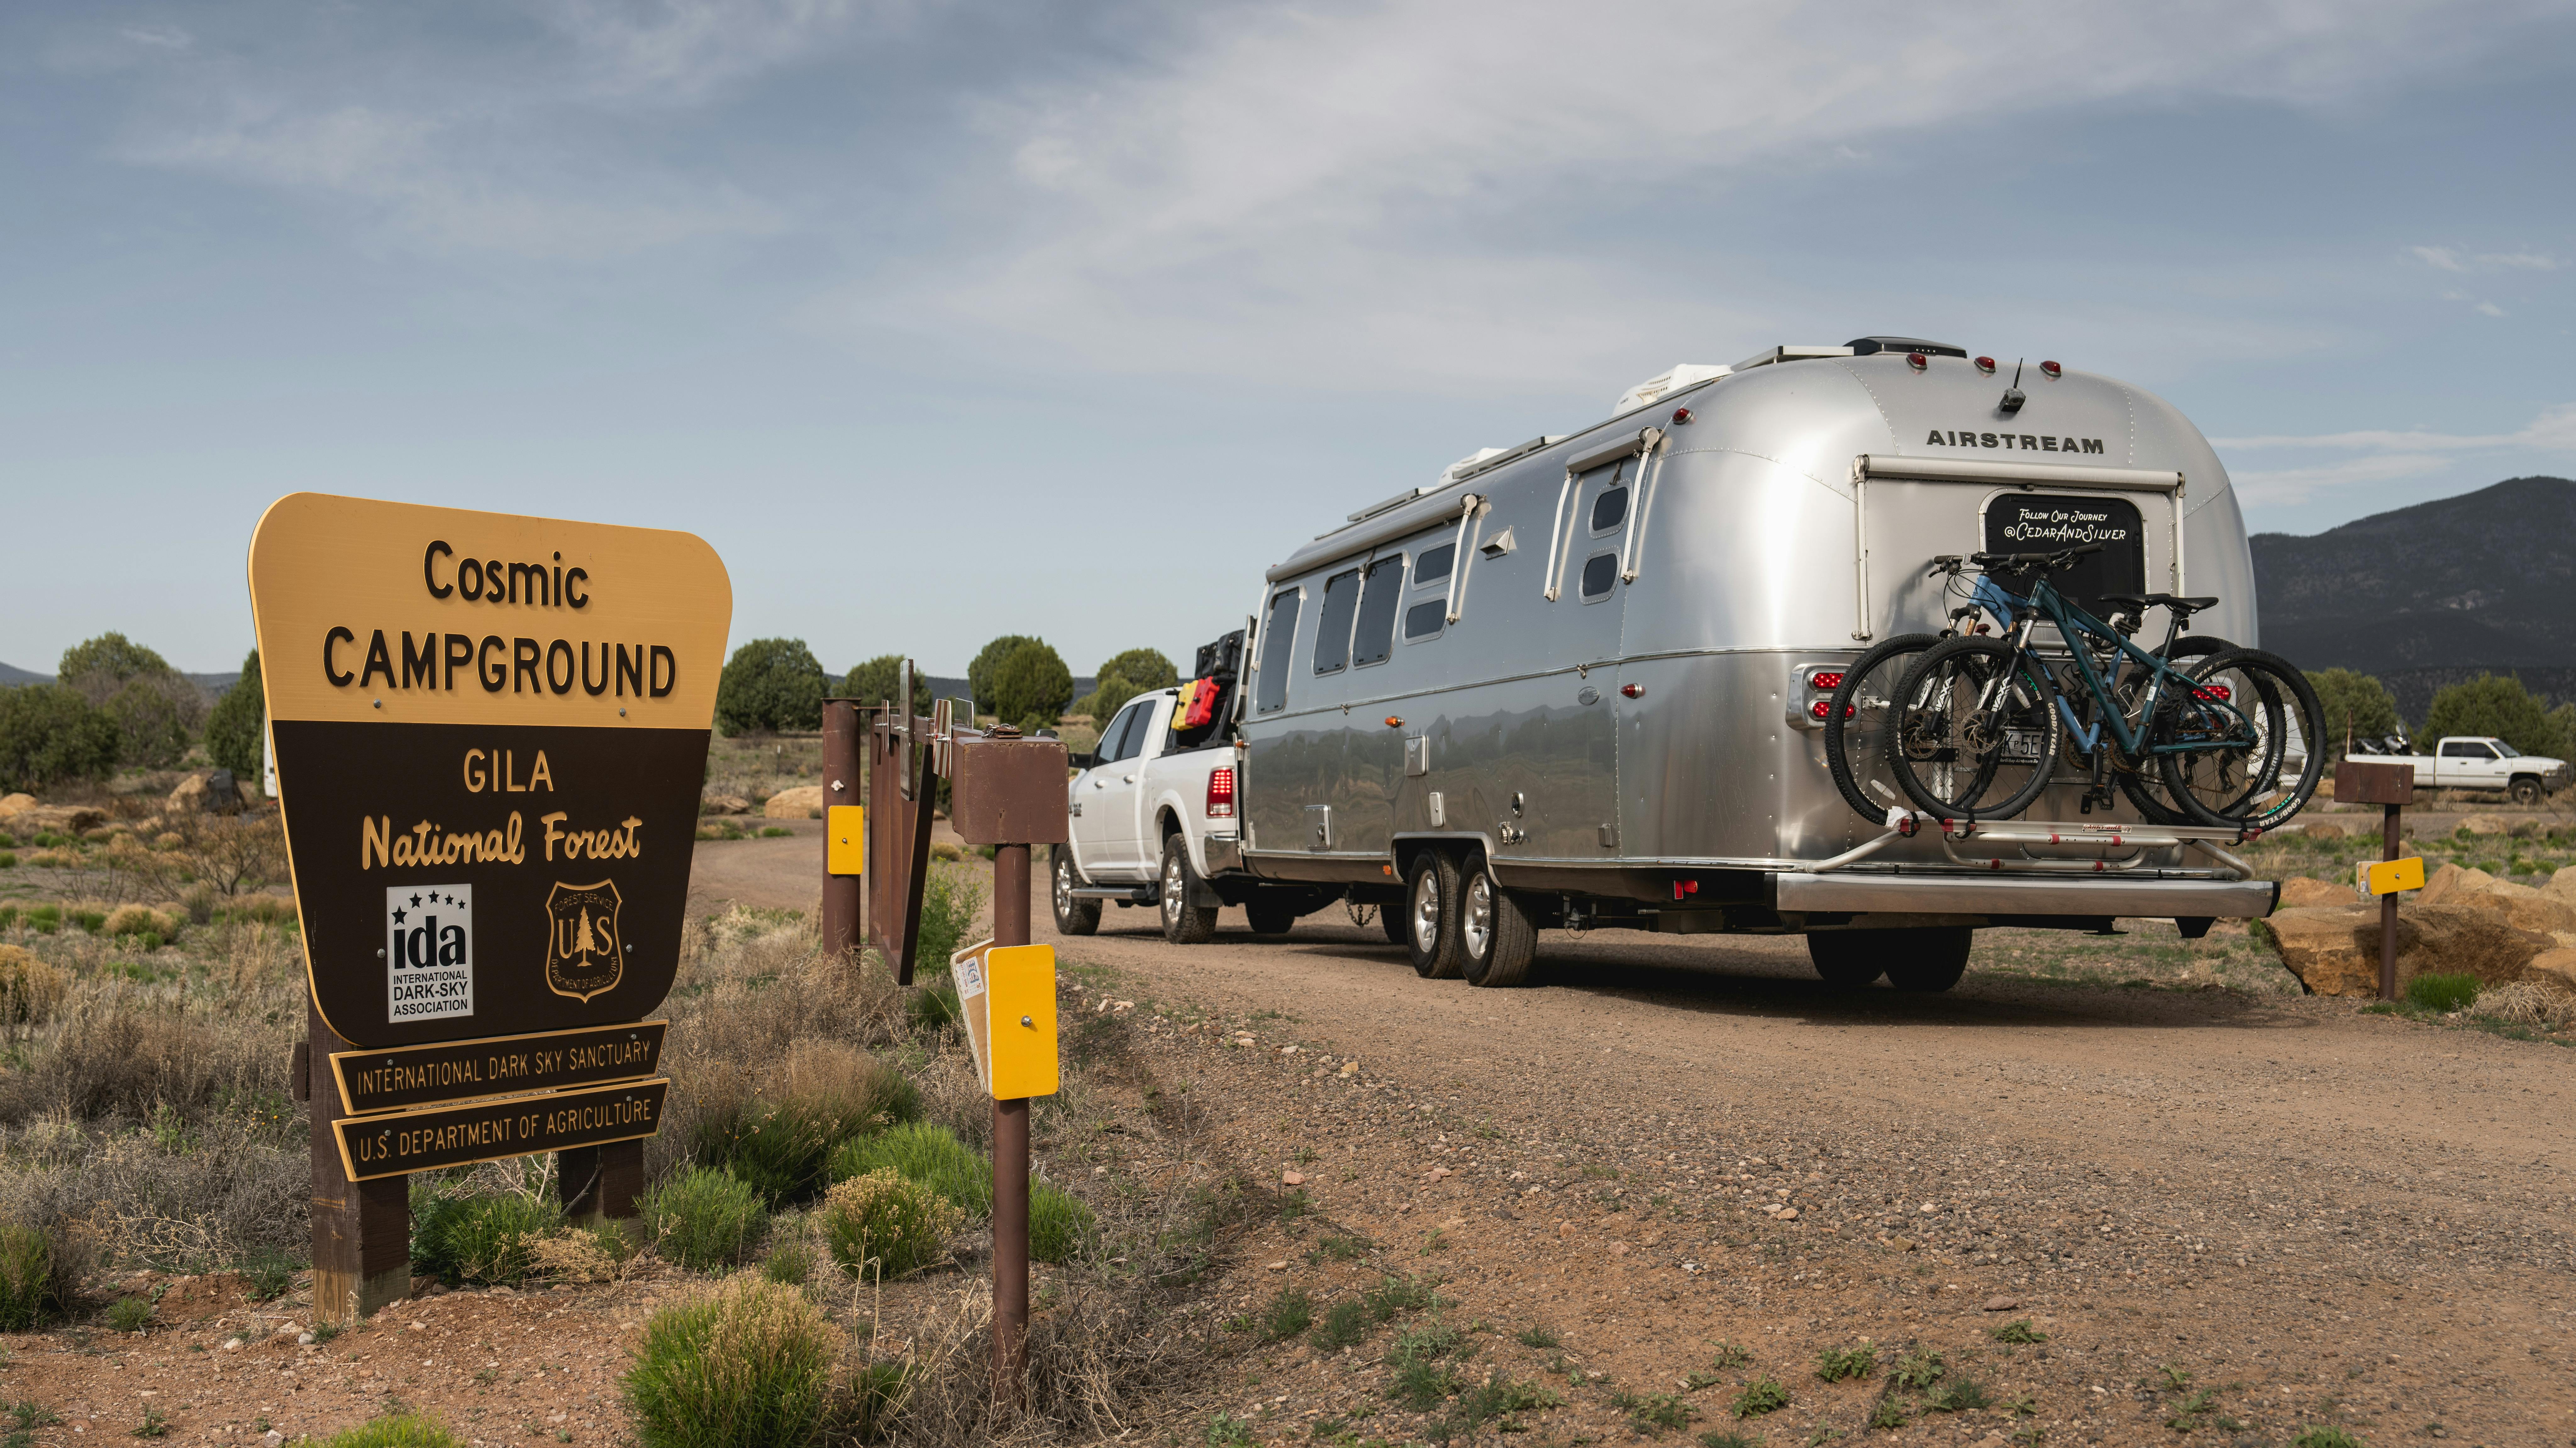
(429, 952)
(584, 954)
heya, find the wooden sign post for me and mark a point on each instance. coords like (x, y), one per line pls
(490, 733)
(2391, 786)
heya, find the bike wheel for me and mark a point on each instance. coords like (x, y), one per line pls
(2140, 780)
(2246, 745)
(1975, 730)
(1856, 725)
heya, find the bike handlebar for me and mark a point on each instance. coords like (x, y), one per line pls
(2014, 562)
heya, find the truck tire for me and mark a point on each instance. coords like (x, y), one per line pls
(1848, 959)
(1268, 916)
(1431, 916)
(1496, 941)
(2526, 791)
(1073, 914)
(1925, 959)
(1183, 922)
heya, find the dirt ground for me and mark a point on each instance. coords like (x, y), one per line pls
(2131, 1196)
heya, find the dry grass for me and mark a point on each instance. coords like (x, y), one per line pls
(2529, 1003)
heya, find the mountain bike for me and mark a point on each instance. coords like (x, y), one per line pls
(1856, 716)
(1977, 723)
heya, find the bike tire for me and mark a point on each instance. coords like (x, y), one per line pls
(2279, 767)
(1942, 723)
(1856, 724)
(2141, 782)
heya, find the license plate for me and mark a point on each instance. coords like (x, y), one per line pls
(2022, 746)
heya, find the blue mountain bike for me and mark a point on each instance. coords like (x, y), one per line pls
(1978, 723)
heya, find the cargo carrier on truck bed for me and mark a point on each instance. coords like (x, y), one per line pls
(1581, 682)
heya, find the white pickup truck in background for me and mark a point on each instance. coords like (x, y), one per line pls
(2473, 761)
(1153, 818)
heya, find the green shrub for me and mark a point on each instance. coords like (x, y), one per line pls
(398, 1430)
(931, 1155)
(129, 1314)
(1289, 1313)
(949, 902)
(482, 1239)
(704, 1218)
(770, 684)
(2498, 705)
(1957, 1394)
(1031, 687)
(1345, 1324)
(877, 680)
(2436, 992)
(745, 1364)
(37, 1283)
(790, 1263)
(2017, 1330)
(49, 734)
(934, 1006)
(883, 1221)
(1920, 1368)
(8, 861)
(2321, 1435)
(238, 724)
(1837, 1363)
(784, 1148)
(1760, 1396)
(979, 674)
(1059, 1224)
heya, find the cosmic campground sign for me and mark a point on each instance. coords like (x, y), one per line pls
(490, 733)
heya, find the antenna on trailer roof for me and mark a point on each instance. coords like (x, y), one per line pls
(2012, 395)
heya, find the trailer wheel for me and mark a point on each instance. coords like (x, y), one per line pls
(1269, 917)
(1496, 940)
(2525, 791)
(1928, 958)
(1183, 922)
(1431, 916)
(1848, 959)
(1073, 914)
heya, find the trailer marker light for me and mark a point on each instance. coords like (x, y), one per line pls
(1632, 691)
(1825, 681)
(2051, 369)
(1394, 722)
(1986, 365)
(1220, 793)
(1681, 415)
(1917, 361)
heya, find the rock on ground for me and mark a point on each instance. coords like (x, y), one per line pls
(805, 802)
(2302, 892)
(724, 804)
(212, 791)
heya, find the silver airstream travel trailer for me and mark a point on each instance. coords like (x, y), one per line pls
(1581, 682)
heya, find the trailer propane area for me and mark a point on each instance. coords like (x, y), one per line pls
(1879, 643)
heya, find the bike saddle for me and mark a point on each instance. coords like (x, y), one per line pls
(2181, 605)
(2134, 601)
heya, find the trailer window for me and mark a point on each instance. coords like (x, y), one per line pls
(1277, 635)
(1600, 571)
(1385, 589)
(1425, 620)
(1432, 567)
(1333, 631)
(1610, 509)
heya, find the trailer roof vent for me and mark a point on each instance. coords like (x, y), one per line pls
(1683, 374)
(1864, 346)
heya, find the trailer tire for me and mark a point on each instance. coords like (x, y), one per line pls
(1269, 917)
(2526, 791)
(1927, 959)
(1073, 914)
(1847, 959)
(1183, 922)
(1431, 916)
(1496, 941)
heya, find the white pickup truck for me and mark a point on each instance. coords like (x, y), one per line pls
(1154, 817)
(2476, 761)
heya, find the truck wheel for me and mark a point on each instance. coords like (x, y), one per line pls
(1073, 914)
(1183, 923)
(1927, 958)
(1496, 940)
(1268, 917)
(1848, 959)
(1431, 916)
(2525, 791)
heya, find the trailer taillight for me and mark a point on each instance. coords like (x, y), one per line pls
(1823, 709)
(2215, 693)
(1220, 796)
(1825, 682)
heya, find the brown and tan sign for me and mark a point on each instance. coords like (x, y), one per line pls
(433, 1137)
(490, 734)
(407, 1076)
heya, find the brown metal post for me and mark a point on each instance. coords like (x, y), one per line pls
(2388, 908)
(361, 1230)
(844, 756)
(1010, 1158)
(600, 1183)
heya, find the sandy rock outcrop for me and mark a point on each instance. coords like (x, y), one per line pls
(2447, 881)
(2332, 949)
(61, 819)
(2300, 892)
(724, 804)
(805, 802)
(2322, 830)
(212, 791)
(11, 804)
(2553, 967)
(2486, 824)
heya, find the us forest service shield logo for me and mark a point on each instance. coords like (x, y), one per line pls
(584, 954)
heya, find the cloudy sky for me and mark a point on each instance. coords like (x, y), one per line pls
(945, 320)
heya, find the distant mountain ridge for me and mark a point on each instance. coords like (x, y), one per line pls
(2432, 594)
(212, 683)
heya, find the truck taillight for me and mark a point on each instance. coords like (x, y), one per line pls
(1220, 799)
(1826, 681)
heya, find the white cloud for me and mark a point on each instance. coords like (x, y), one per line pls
(2452, 259)
(2554, 430)
(2441, 258)
(157, 37)
(2287, 487)
(2519, 260)
(2490, 309)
